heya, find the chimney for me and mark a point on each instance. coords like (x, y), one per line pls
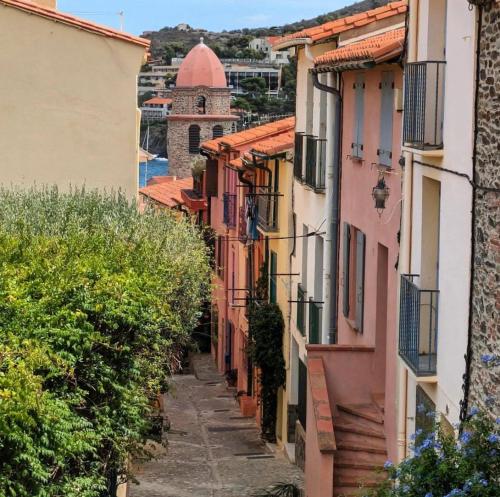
(51, 4)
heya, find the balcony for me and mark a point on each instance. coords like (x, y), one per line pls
(229, 214)
(418, 326)
(315, 163)
(242, 225)
(424, 105)
(298, 156)
(314, 322)
(267, 202)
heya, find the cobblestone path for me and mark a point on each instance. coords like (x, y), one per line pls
(212, 450)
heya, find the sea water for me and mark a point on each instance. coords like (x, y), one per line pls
(154, 167)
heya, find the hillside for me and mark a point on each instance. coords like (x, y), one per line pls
(170, 42)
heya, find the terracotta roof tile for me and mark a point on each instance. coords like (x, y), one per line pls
(70, 20)
(333, 28)
(158, 100)
(167, 192)
(277, 144)
(249, 136)
(375, 49)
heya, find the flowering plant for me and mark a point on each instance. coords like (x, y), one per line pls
(443, 466)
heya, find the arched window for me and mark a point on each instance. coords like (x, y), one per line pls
(201, 105)
(194, 139)
(217, 131)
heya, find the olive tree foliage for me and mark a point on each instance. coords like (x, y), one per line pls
(96, 302)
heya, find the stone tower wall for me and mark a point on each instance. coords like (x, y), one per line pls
(485, 365)
(218, 100)
(179, 158)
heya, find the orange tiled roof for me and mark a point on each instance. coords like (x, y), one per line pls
(250, 136)
(276, 144)
(375, 49)
(158, 100)
(167, 192)
(333, 28)
(32, 8)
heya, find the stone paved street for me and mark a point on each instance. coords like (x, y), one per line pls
(212, 450)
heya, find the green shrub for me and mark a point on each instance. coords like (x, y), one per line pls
(96, 302)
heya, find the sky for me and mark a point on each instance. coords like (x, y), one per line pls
(214, 15)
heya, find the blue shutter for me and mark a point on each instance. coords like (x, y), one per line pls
(345, 269)
(360, 279)
(386, 119)
(359, 103)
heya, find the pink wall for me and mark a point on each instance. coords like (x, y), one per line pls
(357, 209)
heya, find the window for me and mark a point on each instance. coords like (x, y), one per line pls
(353, 275)
(201, 105)
(273, 277)
(194, 139)
(217, 131)
(359, 110)
(386, 119)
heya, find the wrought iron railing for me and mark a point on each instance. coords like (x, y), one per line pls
(424, 105)
(315, 162)
(267, 202)
(301, 309)
(242, 225)
(418, 326)
(314, 322)
(298, 156)
(229, 213)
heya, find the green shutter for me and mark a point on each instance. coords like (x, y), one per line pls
(273, 278)
(345, 269)
(360, 279)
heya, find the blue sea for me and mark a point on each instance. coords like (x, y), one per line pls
(154, 167)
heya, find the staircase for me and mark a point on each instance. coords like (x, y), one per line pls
(361, 448)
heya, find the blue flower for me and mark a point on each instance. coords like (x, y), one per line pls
(406, 489)
(421, 408)
(416, 434)
(474, 410)
(388, 465)
(467, 486)
(493, 452)
(431, 414)
(465, 437)
(497, 421)
(487, 358)
(483, 482)
(427, 443)
(454, 492)
(428, 494)
(493, 438)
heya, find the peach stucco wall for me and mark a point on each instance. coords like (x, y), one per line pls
(357, 209)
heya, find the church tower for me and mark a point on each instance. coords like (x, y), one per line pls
(201, 108)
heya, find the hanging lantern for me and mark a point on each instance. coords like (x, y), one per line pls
(380, 194)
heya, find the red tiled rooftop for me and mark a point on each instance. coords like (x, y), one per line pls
(158, 100)
(333, 28)
(276, 145)
(251, 136)
(374, 49)
(55, 15)
(167, 192)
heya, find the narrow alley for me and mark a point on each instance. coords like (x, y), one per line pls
(212, 450)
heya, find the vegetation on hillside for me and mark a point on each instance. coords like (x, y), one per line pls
(96, 302)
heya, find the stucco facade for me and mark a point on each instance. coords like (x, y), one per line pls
(60, 125)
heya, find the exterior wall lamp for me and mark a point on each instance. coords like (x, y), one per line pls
(380, 194)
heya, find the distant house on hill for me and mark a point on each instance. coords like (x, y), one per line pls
(183, 27)
(56, 105)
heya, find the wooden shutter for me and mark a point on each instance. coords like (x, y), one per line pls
(273, 277)
(194, 139)
(212, 179)
(345, 269)
(360, 279)
(386, 119)
(359, 113)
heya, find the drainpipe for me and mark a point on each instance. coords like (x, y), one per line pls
(332, 184)
(406, 238)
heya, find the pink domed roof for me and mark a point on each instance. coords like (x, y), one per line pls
(201, 67)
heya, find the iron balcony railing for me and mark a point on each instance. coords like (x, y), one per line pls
(314, 322)
(298, 156)
(267, 202)
(424, 105)
(229, 213)
(418, 326)
(301, 309)
(315, 162)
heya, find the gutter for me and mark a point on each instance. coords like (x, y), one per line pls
(332, 184)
